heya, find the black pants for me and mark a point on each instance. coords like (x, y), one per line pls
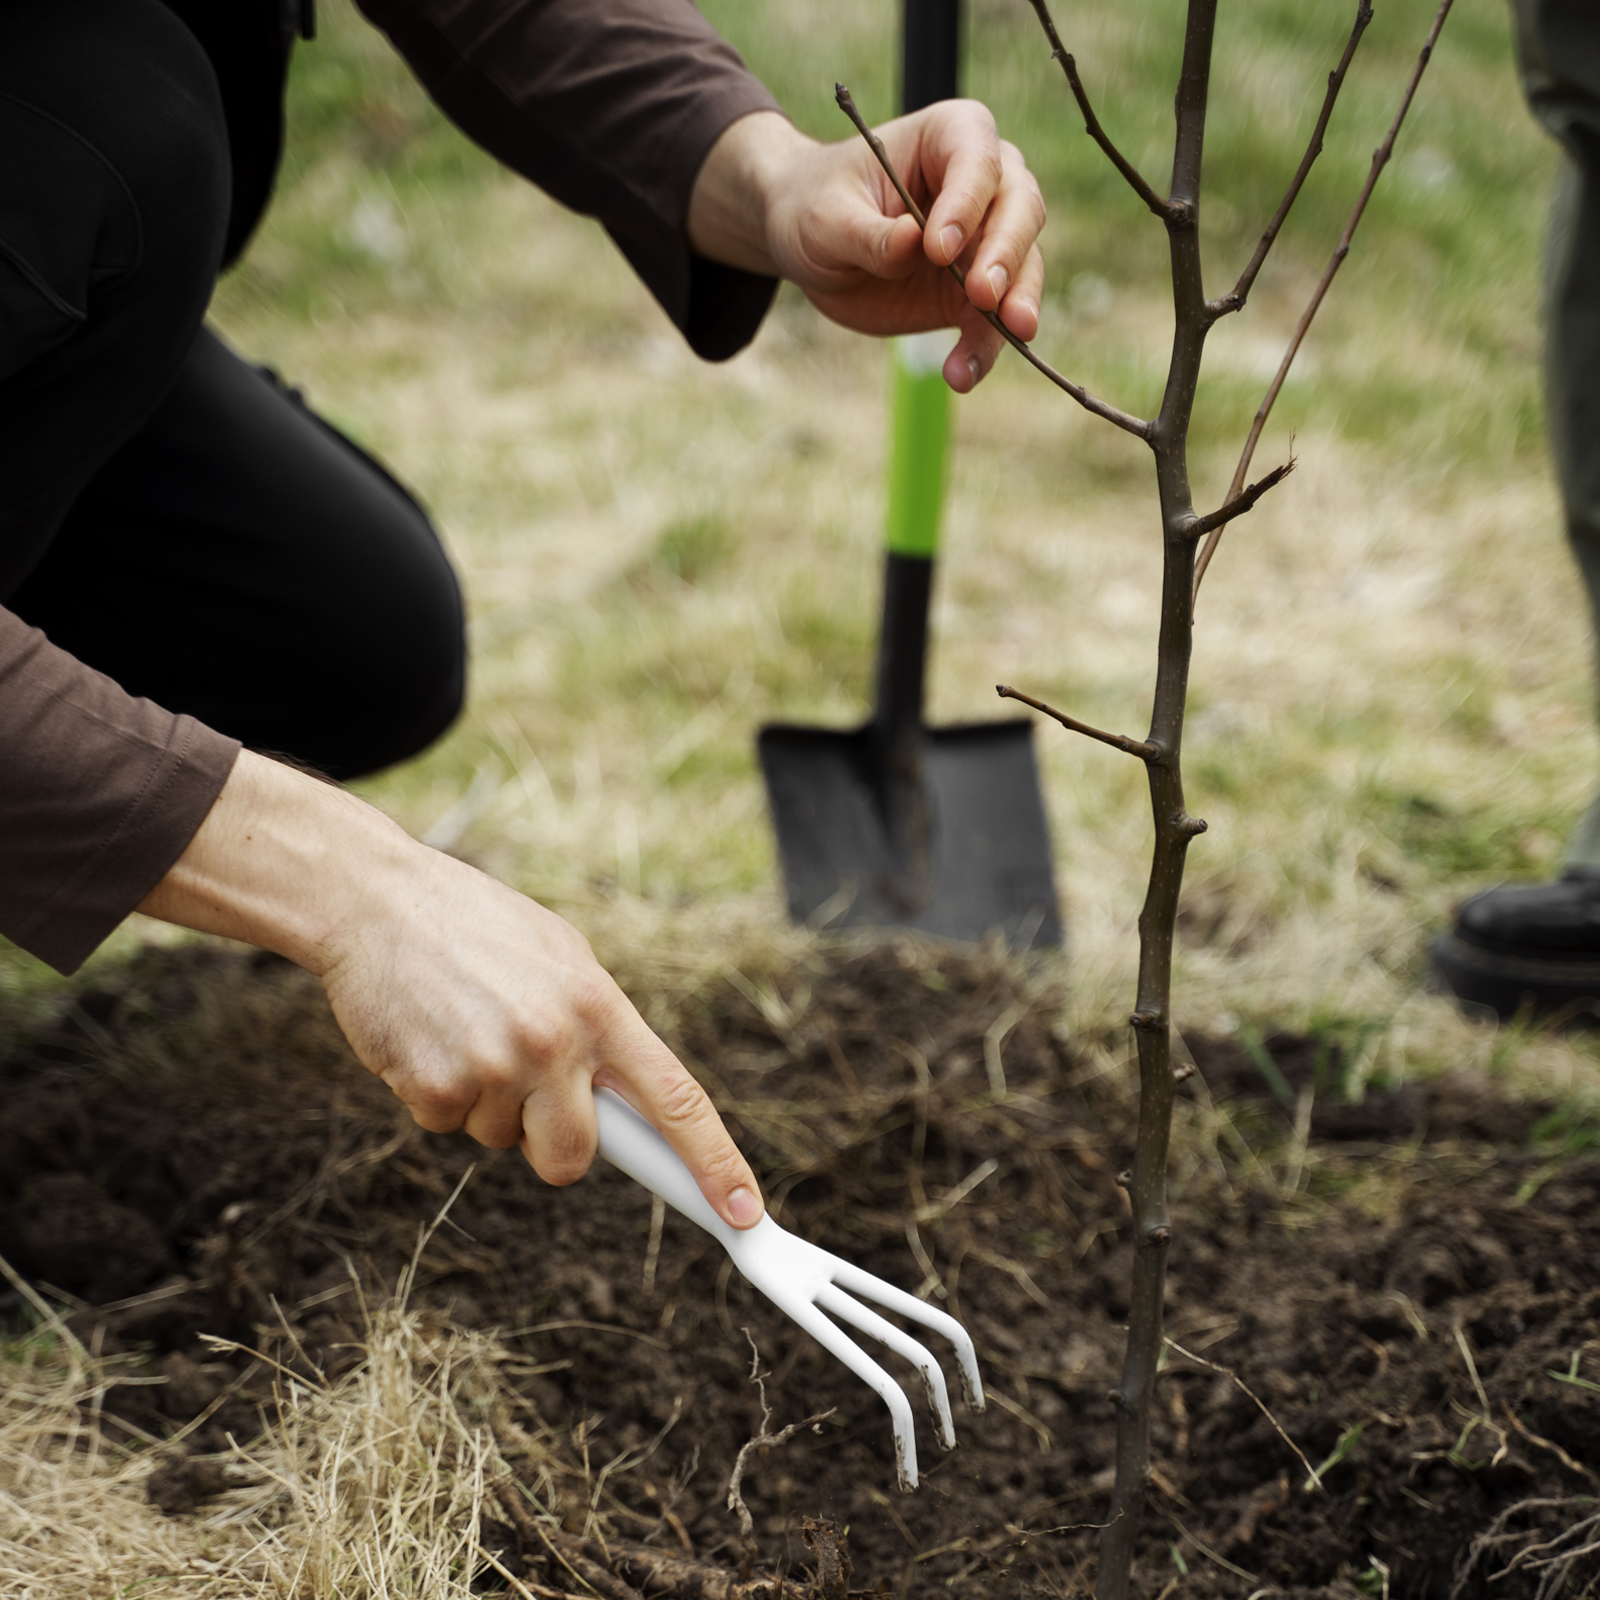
(170, 514)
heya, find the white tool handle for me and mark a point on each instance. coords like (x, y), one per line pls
(628, 1142)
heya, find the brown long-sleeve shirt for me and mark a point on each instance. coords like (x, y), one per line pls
(609, 105)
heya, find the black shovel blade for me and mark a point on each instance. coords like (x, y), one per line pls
(973, 859)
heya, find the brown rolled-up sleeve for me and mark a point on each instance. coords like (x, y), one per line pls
(99, 795)
(610, 106)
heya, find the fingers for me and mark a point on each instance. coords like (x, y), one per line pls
(858, 257)
(682, 1111)
(979, 346)
(989, 206)
(657, 1085)
(1001, 274)
(850, 234)
(559, 1135)
(612, 1047)
(959, 161)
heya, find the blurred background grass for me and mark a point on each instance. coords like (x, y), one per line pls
(1392, 685)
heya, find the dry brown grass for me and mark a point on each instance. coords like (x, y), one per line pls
(370, 1487)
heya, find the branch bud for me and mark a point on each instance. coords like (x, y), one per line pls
(1146, 1019)
(1125, 1179)
(1160, 1236)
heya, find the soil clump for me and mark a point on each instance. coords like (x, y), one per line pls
(190, 1150)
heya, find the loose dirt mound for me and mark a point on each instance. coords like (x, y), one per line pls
(192, 1151)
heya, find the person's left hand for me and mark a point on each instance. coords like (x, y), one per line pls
(826, 217)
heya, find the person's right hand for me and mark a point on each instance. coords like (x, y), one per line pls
(481, 1009)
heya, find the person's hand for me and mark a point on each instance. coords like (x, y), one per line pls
(482, 1010)
(826, 217)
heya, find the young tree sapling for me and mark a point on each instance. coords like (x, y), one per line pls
(1183, 531)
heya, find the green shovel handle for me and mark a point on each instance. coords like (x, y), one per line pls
(920, 445)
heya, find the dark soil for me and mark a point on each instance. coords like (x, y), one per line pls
(191, 1150)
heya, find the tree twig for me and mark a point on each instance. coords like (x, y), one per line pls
(1237, 507)
(1118, 741)
(1091, 123)
(1137, 426)
(1380, 159)
(1235, 298)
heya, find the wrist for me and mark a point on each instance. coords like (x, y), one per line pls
(730, 207)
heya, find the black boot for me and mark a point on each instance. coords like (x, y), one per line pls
(1529, 949)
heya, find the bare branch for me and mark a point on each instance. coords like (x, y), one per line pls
(1235, 298)
(1241, 504)
(1137, 426)
(1380, 159)
(1118, 741)
(1091, 122)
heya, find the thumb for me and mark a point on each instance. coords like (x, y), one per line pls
(855, 235)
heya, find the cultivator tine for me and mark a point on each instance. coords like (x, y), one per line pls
(840, 1345)
(915, 1310)
(831, 1298)
(806, 1283)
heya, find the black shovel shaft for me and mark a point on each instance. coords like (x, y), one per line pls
(930, 53)
(930, 63)
(902, 649)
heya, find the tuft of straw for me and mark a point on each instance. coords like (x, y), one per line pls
(374, 1485)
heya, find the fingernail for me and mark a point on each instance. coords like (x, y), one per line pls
(998, 279)
(975, 367)
(1031, 305)
(952, 240)
(743, 1208)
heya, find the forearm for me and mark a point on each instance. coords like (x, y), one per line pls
(285, 862)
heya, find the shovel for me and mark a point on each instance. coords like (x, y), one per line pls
(894, 824)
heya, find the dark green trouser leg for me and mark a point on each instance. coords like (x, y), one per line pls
(1558, 48)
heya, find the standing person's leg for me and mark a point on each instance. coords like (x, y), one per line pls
(242, 561)
(1541, 942)
(1568, 104)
